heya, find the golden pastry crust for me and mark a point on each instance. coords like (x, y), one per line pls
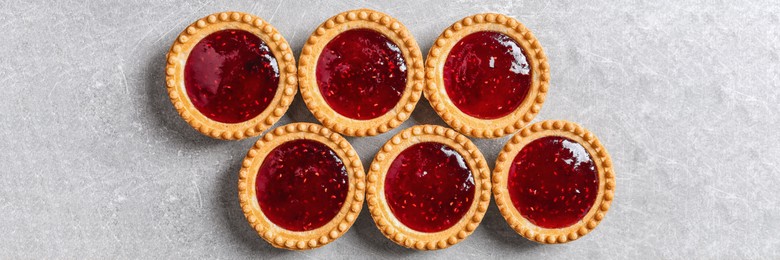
(393, 30)
(399, 233)
(605, 173)
(301, 240)
(177, 58)
(476, 127)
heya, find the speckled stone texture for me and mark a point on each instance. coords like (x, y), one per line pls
(95, 162)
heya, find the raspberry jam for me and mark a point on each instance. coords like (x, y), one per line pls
(231, 76)
(487, 75)
(429, 187)
(553, 182)
(301, 185)
(361, 74)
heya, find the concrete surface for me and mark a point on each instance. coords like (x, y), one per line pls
(95, 163)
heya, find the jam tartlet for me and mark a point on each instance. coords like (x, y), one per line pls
(486, 75)
(231, 75)
(428, 187)
(553, 182)
(361, 73)
(301, 186)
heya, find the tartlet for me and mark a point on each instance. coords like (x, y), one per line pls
(428, 187)
(486, 75)
(301, 186)
(553, 182)
(231, 75)
(361, 73)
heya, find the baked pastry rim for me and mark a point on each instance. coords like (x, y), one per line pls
(383, 217)
(436, 93)
(301, 240)
(598, 154)
(176, 61)
(389, 27)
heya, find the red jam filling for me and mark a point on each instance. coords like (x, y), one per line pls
(361, 74)
(486, 75)
(231, 76)
(429, 187)
(553, 182)
(301, 185)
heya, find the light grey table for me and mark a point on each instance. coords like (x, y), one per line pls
(95, 163)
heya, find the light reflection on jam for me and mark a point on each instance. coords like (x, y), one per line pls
(301, 185)
(486, 75)
(553, 182)
(361, 74)
(429, 187)
(231, 76)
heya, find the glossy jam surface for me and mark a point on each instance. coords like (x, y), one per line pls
(301, 185)
(429, 187)
(231, 76)
(486, 75)
(553, 182)
(361, 74)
